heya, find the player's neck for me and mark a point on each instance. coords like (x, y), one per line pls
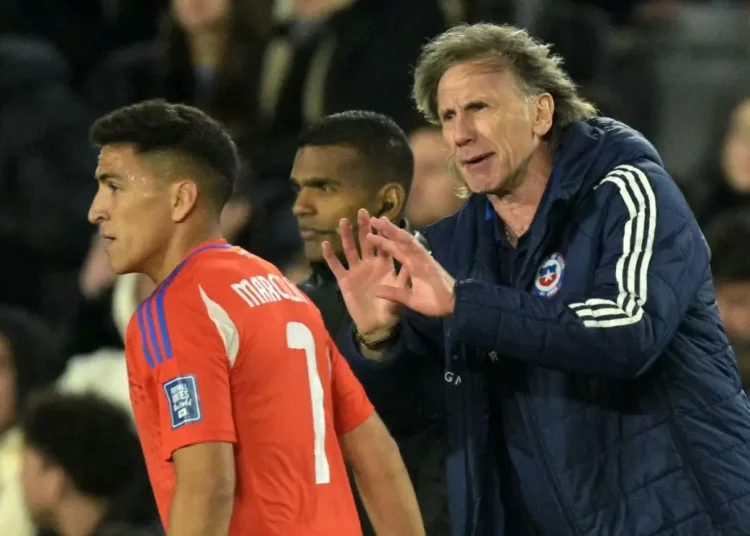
(80, 516)
(179, 247)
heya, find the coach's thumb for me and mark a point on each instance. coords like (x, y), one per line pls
(394, 294)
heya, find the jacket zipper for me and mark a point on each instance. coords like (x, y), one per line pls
(541, 454)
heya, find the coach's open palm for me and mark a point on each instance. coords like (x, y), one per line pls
(367, 272)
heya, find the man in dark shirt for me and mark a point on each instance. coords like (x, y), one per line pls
(345, 162)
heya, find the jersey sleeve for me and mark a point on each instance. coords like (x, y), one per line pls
(195, 403)
(351, 407)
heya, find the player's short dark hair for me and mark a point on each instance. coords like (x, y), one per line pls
(727, 237)
(157, 126)
(90, 438)
(377, 137)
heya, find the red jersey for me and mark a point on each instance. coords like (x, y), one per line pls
(227, 349)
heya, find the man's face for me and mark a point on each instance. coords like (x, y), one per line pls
(433, 191)
(198, 15)
(7, 385)
(490, 128)
(132, 208)
(41, 485)
(329, 181)
(736, 154)
(733, 299)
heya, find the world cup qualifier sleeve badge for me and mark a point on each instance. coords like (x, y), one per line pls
(549, 276)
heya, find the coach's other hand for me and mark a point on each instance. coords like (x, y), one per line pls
(431, 289)
(366, 274)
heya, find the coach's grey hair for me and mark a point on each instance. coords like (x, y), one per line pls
(499, 48)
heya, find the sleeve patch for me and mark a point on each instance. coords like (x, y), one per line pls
(183, 400)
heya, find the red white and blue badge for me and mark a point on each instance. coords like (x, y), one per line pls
(549, 277)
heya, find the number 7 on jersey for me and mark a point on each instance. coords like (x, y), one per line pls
(299, 337)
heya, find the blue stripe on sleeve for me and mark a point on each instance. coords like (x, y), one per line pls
(161, 316)
(144, 337)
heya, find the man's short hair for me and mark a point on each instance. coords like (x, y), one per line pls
(183, 132)
(90, 438)
(727, 236)
(375, 136)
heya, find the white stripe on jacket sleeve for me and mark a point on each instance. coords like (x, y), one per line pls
(631, 271)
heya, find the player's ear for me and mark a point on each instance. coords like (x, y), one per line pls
(184, 199)
(391, 198)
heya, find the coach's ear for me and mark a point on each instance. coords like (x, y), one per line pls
(184, 198)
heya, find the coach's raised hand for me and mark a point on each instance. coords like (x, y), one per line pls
(367, 273)
(431, 288)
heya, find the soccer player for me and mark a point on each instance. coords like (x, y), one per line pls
(244, 407)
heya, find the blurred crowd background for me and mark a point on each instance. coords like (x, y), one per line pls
(677, 70)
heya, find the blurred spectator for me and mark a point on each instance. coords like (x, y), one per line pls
(628, 12)
(329, 56)
(82, 466)
(82, 30)
(27, 354)
(209, 53)
(728, 236)
(46, 168)
(724, 181)
(580, 34)
(433, 194)
(103, 371)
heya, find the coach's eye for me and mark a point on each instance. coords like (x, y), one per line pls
(113, 187)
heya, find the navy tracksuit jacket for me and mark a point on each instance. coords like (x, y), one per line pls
(590, 389)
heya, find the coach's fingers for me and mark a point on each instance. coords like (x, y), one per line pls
(389, 247)
(402, 279)
(405, 239)
(347, 243)
(333, 261)
(363, 229)
(388, 229)
(394, 294)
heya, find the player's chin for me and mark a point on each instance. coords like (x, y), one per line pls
(314, 251)
(122, 266)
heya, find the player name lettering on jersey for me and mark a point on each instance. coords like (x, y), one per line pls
(260, 290)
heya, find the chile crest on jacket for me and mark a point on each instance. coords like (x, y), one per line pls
(549, 276)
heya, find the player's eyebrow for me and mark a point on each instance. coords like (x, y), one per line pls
(319, 181)
(315, 182)
(104, 177)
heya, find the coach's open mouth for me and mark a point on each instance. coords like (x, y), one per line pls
(476, 159)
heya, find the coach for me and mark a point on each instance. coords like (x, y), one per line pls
(591, 387)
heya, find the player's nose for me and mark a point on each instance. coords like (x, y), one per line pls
(303, 205)
(97, 210)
